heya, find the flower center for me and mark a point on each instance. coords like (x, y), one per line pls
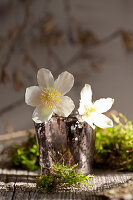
(50, 96)
(89, 110)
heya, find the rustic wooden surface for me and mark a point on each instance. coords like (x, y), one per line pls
(17, 185)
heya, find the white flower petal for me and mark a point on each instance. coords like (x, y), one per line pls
(89, 121)
(64, 82)
(65, 107)
(41, 114)
(45, 78)
(86, 95)
(81, 109)
(101, 120)
(103, 105)
(32, 96)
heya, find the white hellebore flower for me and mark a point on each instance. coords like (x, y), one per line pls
(48, 97)
(92, 112)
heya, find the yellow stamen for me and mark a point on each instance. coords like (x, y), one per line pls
(50, 96)
(89, 110)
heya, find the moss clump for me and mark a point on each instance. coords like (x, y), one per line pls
(63, 176)
(114, 146)
(26, 155)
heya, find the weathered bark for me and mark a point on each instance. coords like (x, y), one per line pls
(81, 141)
(78, 138)
(50, 137)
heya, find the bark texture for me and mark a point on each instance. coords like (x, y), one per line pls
(50, 137)
(62, 135)
(81, 141)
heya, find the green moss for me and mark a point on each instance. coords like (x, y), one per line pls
(114, 146)
(26, 155)
(61, 175)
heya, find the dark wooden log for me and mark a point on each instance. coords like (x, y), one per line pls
(81, 141)
(76, 138)
(50, 137)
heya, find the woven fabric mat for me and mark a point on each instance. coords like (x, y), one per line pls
(17, 185)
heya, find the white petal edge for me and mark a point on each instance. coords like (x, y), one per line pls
(81, 109)
(101, 120)
(64, 82)
(32, 95)
(103, 105)
(41, 114)
(65, 107)
(45, 78)
(86, 95)
(89, 121)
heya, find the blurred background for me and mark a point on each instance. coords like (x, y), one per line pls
(91, 39)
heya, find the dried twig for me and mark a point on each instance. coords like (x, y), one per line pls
(17, 36)
(29, 59)
(4, 77)
(20, 37)
(11, 106)
(78, 55)
(14, 135)
(17, 83)
(67, 7)
(55, 57)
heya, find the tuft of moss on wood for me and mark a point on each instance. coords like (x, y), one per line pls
(114, 146)
(63, 176)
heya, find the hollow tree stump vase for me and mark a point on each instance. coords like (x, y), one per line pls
(78, 138)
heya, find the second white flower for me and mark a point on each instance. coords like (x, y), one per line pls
(92, 112)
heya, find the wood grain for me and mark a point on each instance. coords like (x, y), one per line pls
(20, 185)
